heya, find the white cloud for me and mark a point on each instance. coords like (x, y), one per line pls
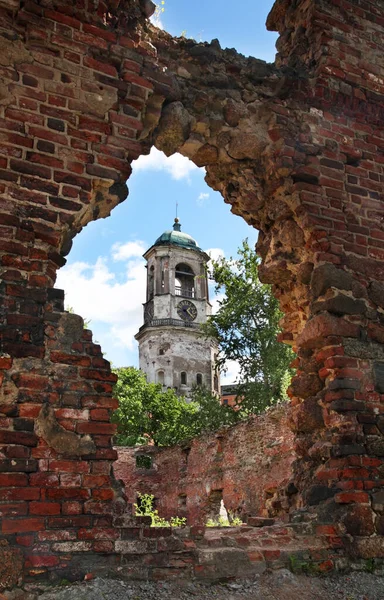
(202, 198)
(128, 250)
(177, 166)
(95, 293)
(215, 299)
(231, 374)
(215, 253)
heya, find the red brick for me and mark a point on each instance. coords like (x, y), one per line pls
(70, 359)
(25, 540)
(92, 481)
(104, 547)
(70, 480)
(62, 18)
(140, 81)
(100, 414)
(18, 437)
(64, 177)
(100, 66)
(98, 508)
(135, 124)
(5, 362)
(109, 36)
(14, 509)
(13, 480)
(23, 116)
(21, 525)
(45, 160)
(103, 494)
(35, 560)
(69, 466)
(44, 508)
(43, 480)
(36, 70)
(33, 382)
(56, 536)
(97, 401)
(353, 496)
(67, 522)
(90, 40)
(44, 134)
(72, 508)
(94, 427)
(98, 533)
(98, 374)
(68, 494)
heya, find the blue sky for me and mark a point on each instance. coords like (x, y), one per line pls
(104, 279)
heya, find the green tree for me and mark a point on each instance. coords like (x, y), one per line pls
(209, 414)
(148, 414)
(246, 327)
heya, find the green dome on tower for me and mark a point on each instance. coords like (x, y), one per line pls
(176, 237)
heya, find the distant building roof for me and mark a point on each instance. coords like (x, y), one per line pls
(229, 390)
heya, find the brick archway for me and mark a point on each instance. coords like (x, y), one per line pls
(295, 147)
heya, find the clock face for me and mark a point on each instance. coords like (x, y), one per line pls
(187, 310)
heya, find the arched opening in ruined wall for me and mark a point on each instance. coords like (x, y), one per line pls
(98, 293)
(105, 276)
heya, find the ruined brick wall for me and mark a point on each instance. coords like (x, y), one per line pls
(295, 147)
(64, 67)
(247, 463)
(303, 161)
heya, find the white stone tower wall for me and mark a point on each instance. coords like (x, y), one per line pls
(183, 350)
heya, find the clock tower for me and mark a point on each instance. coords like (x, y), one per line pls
(172, 350)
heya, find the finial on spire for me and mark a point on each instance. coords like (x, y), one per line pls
(176, 225)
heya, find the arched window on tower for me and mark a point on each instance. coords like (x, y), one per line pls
(199, 379)
(184, 281)
(183, 378)
(160, 377)
(151, 282)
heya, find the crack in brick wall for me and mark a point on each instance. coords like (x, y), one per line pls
(295, 147)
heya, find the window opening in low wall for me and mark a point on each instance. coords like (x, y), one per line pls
(214, 506)
(182, 500)
(143, 461)
(186, 452)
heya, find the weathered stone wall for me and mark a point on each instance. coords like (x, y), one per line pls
(247, 463)
(296, 148)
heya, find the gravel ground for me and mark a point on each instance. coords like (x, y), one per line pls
(278, 585)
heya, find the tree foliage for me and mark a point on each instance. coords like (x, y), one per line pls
(246, 327)
(146, 414)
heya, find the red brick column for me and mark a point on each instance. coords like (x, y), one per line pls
(71, 103)
(340, 348)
